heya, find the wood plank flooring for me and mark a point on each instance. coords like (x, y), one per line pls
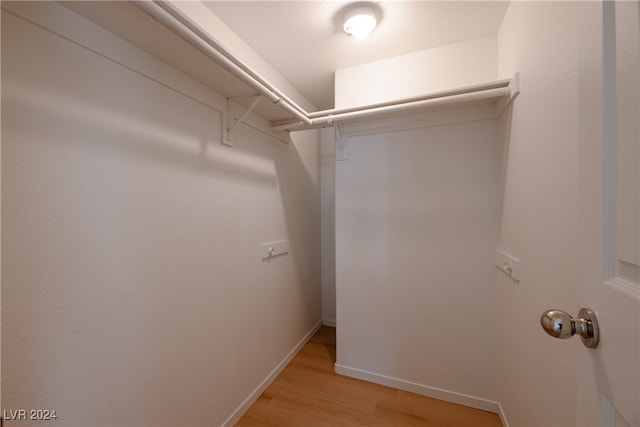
(309, 394)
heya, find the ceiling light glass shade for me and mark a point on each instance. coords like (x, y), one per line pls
(359, 22)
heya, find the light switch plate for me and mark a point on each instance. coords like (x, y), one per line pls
(270, 250)
(509, 264)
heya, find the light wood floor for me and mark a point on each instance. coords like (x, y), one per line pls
(309, 394)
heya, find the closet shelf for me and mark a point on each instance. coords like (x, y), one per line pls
(500, 93)
(163, 30)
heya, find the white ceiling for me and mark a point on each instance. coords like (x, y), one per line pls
(303, 40)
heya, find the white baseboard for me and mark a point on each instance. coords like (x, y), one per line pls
(434, 392)
(503, 416)
(244, 407)
(329, 322)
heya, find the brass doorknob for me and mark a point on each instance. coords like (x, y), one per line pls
(560, 324)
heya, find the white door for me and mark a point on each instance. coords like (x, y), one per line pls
(609, 195)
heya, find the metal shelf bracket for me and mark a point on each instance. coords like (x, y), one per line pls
(227, 130)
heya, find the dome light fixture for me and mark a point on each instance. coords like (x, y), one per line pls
(359, 21)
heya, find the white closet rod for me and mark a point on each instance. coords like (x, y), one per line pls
(439, 94)
(365, 112)
(167, 14)
(173, 19)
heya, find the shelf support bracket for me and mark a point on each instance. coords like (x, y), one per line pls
(341, 143)
(227, 131)
(514, 91)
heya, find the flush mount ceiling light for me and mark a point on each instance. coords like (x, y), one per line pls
(359, 21)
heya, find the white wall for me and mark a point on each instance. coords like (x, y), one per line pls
(416, 229)
(539, 212)
(417, 73)
(133, 289)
